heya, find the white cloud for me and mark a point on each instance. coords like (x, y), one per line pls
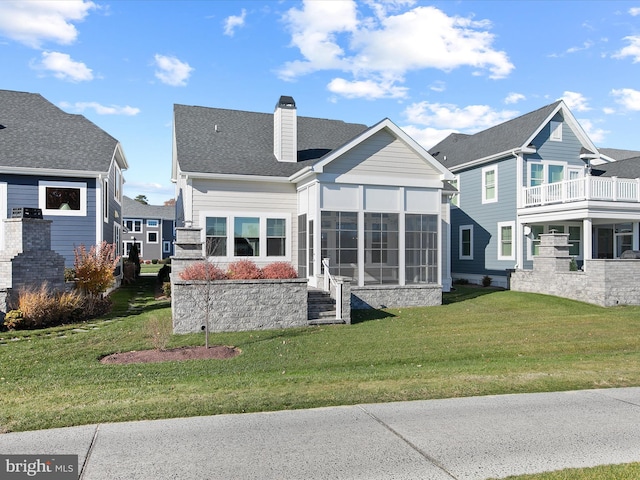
(597, 135)
(514, 97)
(365, 89)
(33, 22)
(438, 86)
(631, 50)
(627, 97)
(382, 49)
(471, 118)
(64, 68)
(234, 21)
(172, 71)
(80, 107)
(634, 11)
(608, 111)
(576, 101)
(427, 137)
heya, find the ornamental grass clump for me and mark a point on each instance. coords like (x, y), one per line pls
(278, 270)
(41, 307)
(244, 270)
(203, 271)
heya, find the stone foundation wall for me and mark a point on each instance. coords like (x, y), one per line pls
(394, 296)
(238, 305)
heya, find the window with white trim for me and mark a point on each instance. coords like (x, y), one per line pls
(506, 250)
(133, 225)
(116, 238)
(117, 189)
(490, 184)
(105, 199)
(166, 247)
(262, 235)
(465, 246)
(152, 237)
(455, 198)
(152, 223)
(556, 131)
(62, 198)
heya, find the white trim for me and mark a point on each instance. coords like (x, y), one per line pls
(3, 212)
(42, 198)
(460, 255)
(157, 225)
(166, 246)
(157, 234)
(133, 223)
(512, 225)
(485, 170)
(104, 198)
(131, 242)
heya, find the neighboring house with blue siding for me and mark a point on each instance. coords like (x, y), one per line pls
(535, 174)
(150, 227)
(281, 187)
(64, 165)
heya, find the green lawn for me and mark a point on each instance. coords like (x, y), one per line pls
(629, 471)
(481, 341)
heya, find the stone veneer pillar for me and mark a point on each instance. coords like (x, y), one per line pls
(553, 253)
(188, 249)
(28, 261)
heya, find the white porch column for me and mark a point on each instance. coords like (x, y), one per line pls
(520, 244)
(587, 244)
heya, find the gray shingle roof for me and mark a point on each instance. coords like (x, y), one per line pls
(38, 134)
(627, 168)
(618, 154)
(243, 142)
(460, 148)
(133, 209)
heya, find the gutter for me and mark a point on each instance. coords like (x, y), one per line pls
(495, 156)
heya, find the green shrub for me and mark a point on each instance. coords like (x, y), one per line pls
(154, 261)
(166, 289)
(486, 281)
(163, 274)
(69, 274)
(13, 319)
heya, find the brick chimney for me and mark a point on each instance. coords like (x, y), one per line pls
(285, 130)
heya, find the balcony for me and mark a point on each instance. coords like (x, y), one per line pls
(608, 189)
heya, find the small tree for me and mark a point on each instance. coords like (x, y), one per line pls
(94, 268)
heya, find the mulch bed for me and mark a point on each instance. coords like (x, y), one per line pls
(219, 352)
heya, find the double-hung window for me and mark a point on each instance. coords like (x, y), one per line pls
(133, 225)
(490, 184)
(505, 241)
(466, 242)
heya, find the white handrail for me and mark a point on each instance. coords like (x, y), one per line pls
(612, 189)
(331, 280)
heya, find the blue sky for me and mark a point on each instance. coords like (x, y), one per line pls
(431, 67)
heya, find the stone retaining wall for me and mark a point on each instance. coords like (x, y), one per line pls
(238, 305)
(603, 282)
(394, 296)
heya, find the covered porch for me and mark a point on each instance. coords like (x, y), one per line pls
(601, 215)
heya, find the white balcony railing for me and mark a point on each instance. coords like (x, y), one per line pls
(611, 189)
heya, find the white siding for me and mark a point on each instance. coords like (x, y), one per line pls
(239, 196)
(382, 157)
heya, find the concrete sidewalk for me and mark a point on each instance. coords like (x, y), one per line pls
(465, 438)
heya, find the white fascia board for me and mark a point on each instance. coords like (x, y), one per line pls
(395, 130)
(373, 180)
(118, 156)
(237, 177)
(49, 172)
(491, 158)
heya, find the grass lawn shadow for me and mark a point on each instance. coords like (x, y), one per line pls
(462, 293)
(359, 316)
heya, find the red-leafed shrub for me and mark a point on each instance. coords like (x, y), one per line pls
(203, 271)
(244, 270)
(279, 270)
